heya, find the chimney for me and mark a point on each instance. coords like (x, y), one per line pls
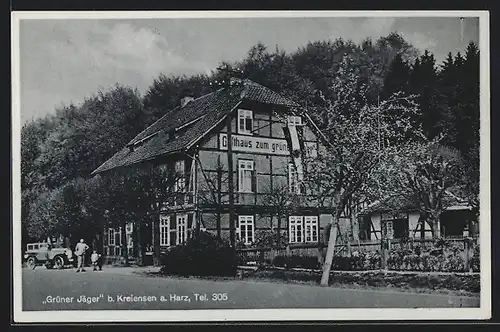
(187, 96)
(185, 100)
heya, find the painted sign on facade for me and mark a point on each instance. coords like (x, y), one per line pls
(264, 145)
(255, 144)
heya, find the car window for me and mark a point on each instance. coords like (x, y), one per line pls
(30, 247)
(35, 247)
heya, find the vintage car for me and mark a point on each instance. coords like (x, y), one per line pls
(51, 256)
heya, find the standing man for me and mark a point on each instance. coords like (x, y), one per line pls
(80, 250)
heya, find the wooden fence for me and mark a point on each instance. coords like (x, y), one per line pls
(314, 249)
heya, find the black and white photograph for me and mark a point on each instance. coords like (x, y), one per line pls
(250, 166)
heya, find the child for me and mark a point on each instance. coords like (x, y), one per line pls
(95, 257)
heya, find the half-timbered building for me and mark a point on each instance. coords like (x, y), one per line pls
(235, 149)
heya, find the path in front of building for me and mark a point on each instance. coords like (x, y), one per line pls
(123, 288)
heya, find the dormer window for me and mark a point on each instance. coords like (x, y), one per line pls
(294, 120)
(245, 122)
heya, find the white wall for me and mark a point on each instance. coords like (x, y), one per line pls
(413, 218)
(375, 218)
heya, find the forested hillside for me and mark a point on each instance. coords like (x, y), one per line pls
(59, 152)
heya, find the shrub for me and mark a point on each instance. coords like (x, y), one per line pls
(296, 261)
(204, 255)
(280, 261)
(443, 257)
(475, 259)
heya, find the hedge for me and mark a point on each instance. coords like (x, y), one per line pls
(203, 255)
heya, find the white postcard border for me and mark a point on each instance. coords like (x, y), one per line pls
(368, 314)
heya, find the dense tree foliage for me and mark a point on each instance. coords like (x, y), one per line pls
(59, 152)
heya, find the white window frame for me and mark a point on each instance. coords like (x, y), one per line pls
(311, 229)
(111, 236)
(245, 173)
(303, 229)
(296, 229)
(179, 173)
(114, 247)
(129, 230)
(293, 179)
(182, 227)
(246, 229)
(389, 229)
(164, 231)
(294, 120)
(243, 117)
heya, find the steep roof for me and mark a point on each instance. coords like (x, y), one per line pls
(197, 118)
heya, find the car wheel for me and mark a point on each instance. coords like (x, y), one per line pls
(31, 262)
(58, 262)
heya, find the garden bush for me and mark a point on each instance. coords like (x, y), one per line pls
(296, 261)
(357, 262)
(203, 255)
(441, 258)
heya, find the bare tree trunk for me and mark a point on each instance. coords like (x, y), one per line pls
(327, 265)
(355, 226)
(384, 245)
(138, 243)
(436, 227)
(123, 234)
(349, 249)
(279, 230)
(156, 240)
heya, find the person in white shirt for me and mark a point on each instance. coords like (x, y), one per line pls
(95, 258)
(80, 250)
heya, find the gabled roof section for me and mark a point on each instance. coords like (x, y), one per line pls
(402, 204)
(178, 116)
(256, 92)
(192, 122)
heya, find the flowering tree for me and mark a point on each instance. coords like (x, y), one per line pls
(430, 176)
(360, 136)
(279, 200)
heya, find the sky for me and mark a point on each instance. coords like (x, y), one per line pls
(62, 61)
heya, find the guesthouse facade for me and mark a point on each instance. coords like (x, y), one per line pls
(237, 152)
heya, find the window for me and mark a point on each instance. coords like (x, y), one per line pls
(295, 229)
(181, 228)
(245, 230)
(245, 176)
(114, 241)
(303, 229)
(293, 179)
(111, 237)
(180, 180)
(245, 122)
(129, 229)
(164, 231)
(388, 229)
(311, 227)
(294, 120)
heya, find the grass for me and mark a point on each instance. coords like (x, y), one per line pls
(455, 284)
